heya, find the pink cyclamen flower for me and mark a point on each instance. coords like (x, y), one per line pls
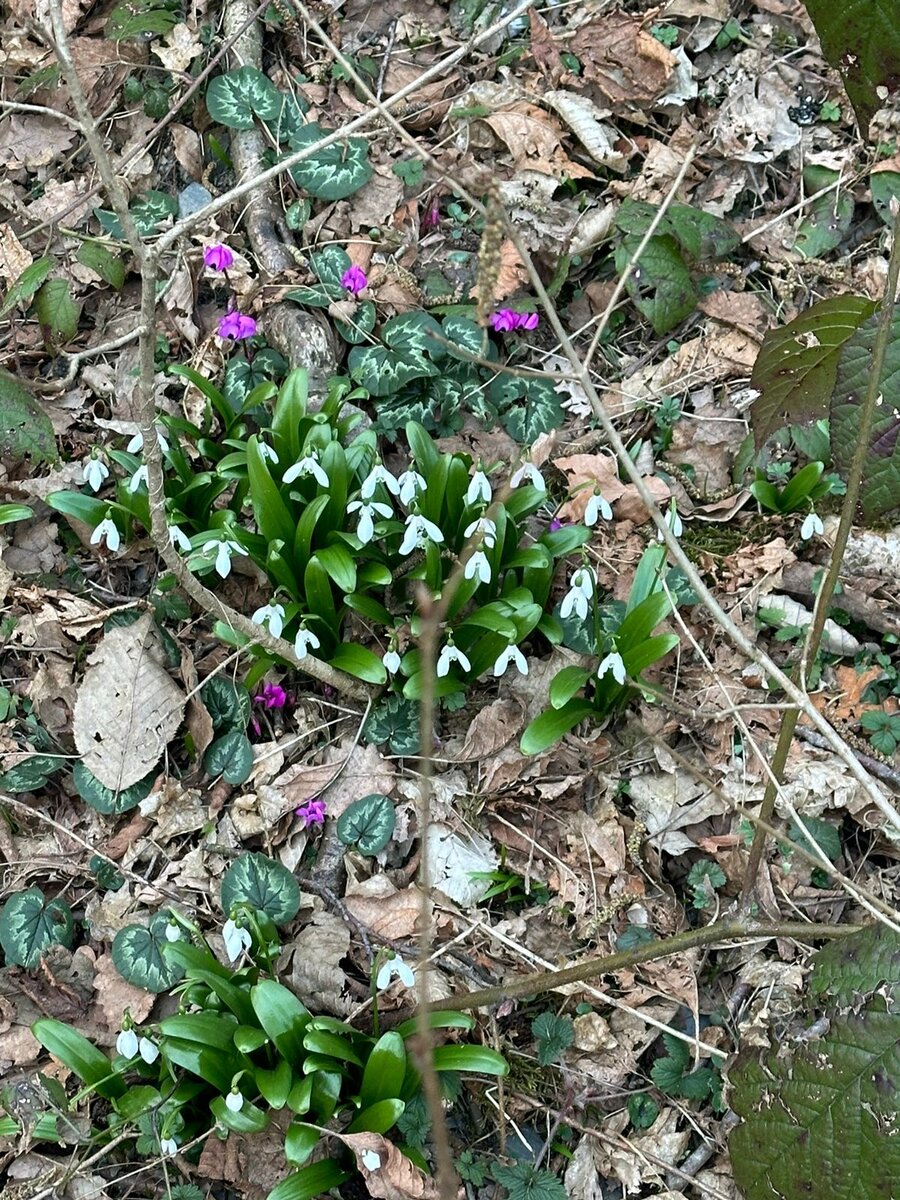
(433, 217)
(556, 524)
(312, 812)
(272, 696)
(528, 320)
(237, 326)
(218, 257)
(505, 320)
(354, 280)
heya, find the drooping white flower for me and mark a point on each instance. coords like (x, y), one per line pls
(478, 565)
(127, 1043)
(234, 1101)
(168, 1146)
(138, 478)
(236, 938)
(597, 507)
(530, 472)
(411, 483)
(224, 550)
(391, 967)
(479, 489)
(137, 442)
(811, 525)
(266, 451)
(370, 1159)
(449, 655)
(365, 530)
(577, 598)
(272, 616)
(305, 641)
(173, 933)
(106, 529)
(510, 654)
(674, 523)
(486, 528)
(391, 661)
(418, 530)
(379, 474)
(93, 472)
(613, 662)
(308, 465)
(149, 1051)
(179, 538)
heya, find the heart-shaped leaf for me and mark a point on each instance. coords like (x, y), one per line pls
(263, 883)
(236, 98)
(104, 799)
(335, 171)
(137, 953)
(368, 823)
(230, 756)
(29, 924)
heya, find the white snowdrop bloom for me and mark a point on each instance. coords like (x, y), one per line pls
(365, 530)
(812, 525)
(173, 933)
(266, 451)
(391, 661)
(137, 442)
(577, 599)
(379, 474)
(479, 489)
(168, 1146)
(224, 550)
(179, 538)
(106, 529)
(309, 465)
(486, 527)
(370, 1160)
(234, 1102)
(138, 478)
(510, 654)
(391, 967)
(149, 1051)
(272, 616)
(613, 662)
(530, 472)
(597, 507)
(418, 530)
(127, 1043)
(478, 565)
(410, 483)
(449, 655)
(674, 523)
(236, 938)
(93, 472)
(305, 641)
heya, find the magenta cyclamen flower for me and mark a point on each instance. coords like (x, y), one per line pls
(555, 524)
(354, 280)
(272, 696)
(432, 217)
(218, 257)
(312, 812)
(237, 326)
(505, 320)
(528, 320)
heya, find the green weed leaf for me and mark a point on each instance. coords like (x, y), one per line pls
(25, 429)
(554, 1035)
(27, 283)
(862, 41)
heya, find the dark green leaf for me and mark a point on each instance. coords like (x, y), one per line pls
(283, 1018)
(237, 97)
(332, 172)
(660, 286)
(99, 258)
(310, 1182)
(106, 800)
(554, 1035)
(547, 729)
(367, 823)
(862, 41)
(828, 219)
(263, 883)
(31, 774)
(523, 1181)
(856, 966)
(27, 283)
(359, 661)
(227, 703)
(25, 429)
(30, 924)
(230, 756)
(79, 1055)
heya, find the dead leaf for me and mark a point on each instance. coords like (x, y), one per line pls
(388, 1174)
(622, 60)
(178, 49)
(14, 257)
(188, 149)
(585, 473)
(175, 809)
(453, 859)
(492, 728)
(32, 142)
(128, 707)
(316, 971)
(386, 911)
(544, 50)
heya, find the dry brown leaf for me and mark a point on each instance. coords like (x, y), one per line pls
(178, 49)
(316, 971)
(392, 1176)
(32, 141)
(384, 910)
(492, 728)
(849, 705)
(175, 809)
(622, 59)
(584, 473)
(128, 707)
(14, 257)
(188, 149)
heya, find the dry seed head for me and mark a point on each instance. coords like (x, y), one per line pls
(489, 258)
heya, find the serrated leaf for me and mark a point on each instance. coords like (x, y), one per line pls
(554, 1035)
(104, 799)
(335, 171)
(230, 756)
(30, 924)
(857, 965)
(99, 258)
(797, 364)
(367, 823)
(524, 1181)
(236, 98)
(27, 283)
(823, 833)
(137, 954)
(263, 883)
(861, 40)
(819, 1118)
(660, 286)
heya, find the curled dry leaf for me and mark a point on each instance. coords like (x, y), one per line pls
(128, 708)
(395, 1177)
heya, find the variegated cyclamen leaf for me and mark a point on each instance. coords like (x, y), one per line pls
(289, 120)
(382, 371)
(528, 407)
(237, 97)
(359, 326)
(412, 334)
(328, 266)
(335, 171)
(465, 333)
(29, 924)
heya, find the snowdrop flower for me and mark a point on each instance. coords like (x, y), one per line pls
(149, 1051)
(613, 662)
(391, 661)
(304, 641)
(379, 474)
(106, 529)
(127, 1043)
(138, 478)
(224, 550)
(479, 490)
(179, 538)
(370, 1159)
(449, 655)
(137, 442)
(486, 527)
(218, 257)
(365, 530)
(530, 472)
(168, 1146)
(237, 326)
(597, 507)
(674, 523)
(418, 528)
(478, 565)
(510, 654)
(309, 465)
(271, 615)
(173, 933)
(236, 938)
(812, 525)
(579, 594)
(266, 451)
(391, 967)
(410, 483)
(354, 280)
(234, 1101)
(93, 472)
